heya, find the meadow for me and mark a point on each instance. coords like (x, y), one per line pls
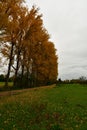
(61, 107)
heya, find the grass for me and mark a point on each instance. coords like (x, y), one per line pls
(3, 83)
(62, 107)
(3, 88)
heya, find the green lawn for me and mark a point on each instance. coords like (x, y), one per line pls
(47, 108)
(3, 83)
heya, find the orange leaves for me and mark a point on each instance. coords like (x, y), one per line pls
(24, 30)
(5, 52)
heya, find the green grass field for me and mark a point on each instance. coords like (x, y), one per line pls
(3, 83)
(63, 107)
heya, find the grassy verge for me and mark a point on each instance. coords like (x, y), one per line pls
(47, 108)
(3, 83)
(3, 88)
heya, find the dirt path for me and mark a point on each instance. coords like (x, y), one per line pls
(12, 92)
(15, 92)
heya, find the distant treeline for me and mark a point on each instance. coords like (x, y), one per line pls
(81, 80)
(3, 77)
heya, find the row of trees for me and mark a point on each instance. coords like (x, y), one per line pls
(2, 78)
(25, 44)
(81, 80)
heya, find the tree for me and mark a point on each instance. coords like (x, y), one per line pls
(10, 29)
(26, 44)
(2, 78)
(82, 78)
(46, 63)
(31, 24)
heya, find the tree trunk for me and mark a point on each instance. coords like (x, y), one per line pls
(9, 65)
(22, 73)
(17, 67)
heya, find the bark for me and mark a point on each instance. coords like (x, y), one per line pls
(9, 65)
(22, 73)
(17, 68)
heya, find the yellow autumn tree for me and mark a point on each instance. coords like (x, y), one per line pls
(9, 29)
(26, 44)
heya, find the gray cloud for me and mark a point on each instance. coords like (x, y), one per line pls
(66, 21)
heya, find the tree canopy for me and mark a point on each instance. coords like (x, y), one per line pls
(26, 45)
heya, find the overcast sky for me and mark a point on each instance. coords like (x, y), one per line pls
(66, 22)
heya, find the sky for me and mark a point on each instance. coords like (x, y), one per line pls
(66, 22)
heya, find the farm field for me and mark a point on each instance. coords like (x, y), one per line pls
(62, 107)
